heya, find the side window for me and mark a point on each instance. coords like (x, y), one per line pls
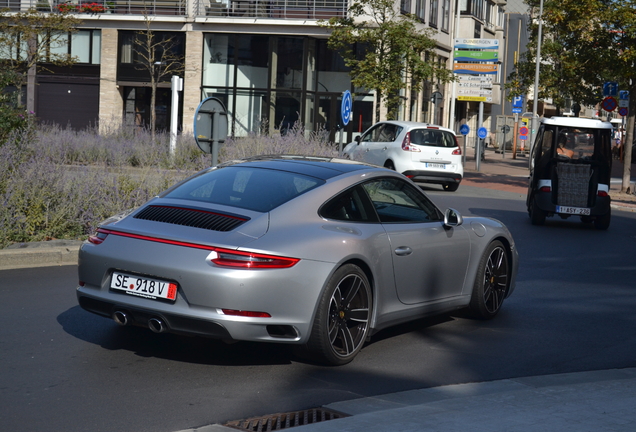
(546, 141)
(395, 200)
(351, 205)
(389, 133)
(372, 135)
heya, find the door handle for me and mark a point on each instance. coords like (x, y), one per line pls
(403, 251)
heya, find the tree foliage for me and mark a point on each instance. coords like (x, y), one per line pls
(585, 43)
(385, 49)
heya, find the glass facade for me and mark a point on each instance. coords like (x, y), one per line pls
(270, 82)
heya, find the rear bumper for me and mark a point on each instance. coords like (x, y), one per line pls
(544, 202)
(433, 176)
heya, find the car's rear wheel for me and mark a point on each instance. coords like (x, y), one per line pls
(537, 216)
(451, 187)
(603, 222)
(491, 282)
(389, 165)
(342, 320)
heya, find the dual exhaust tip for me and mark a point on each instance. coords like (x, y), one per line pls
(155, 324)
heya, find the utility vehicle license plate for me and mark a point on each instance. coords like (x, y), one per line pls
(573, 210)
(143, 286)
(435, 165)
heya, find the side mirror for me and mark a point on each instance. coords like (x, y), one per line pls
(452, 218)
(358, 139)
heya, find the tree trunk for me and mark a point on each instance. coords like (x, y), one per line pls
(31, 74)
(153, 111)
(627, 143)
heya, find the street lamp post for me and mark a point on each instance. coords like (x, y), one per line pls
(535, 102)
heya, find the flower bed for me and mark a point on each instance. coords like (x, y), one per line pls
(91, 8)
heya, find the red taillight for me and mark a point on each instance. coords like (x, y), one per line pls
(457, 151)
(249, 260)
(545, 189)
(250, 314)
(99, 236)
(406, 144)
(602, 193)
(81, 283)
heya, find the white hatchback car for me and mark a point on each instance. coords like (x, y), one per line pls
(423, 152)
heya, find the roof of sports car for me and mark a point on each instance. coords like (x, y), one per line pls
(315, 166)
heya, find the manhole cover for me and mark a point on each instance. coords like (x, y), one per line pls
(274, 422)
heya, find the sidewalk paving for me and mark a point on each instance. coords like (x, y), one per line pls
(599, 401)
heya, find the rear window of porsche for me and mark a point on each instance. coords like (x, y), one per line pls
(245, 187)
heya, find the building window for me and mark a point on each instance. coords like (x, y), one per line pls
(432, 21)
(420, 9)
(405, 6)
(445, 15)
(84, 45)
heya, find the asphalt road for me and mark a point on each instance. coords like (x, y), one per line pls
(63, 369)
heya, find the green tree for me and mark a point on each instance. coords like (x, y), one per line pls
(12, 116)
(585, 43)
(386, 50)
(28, 40)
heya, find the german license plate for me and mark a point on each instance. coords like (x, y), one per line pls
(435, 165)
(143, 286)
(573, 210)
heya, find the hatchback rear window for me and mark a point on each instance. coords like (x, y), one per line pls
(432, 137)
(245, 187)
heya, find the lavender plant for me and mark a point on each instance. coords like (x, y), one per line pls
(61, 183)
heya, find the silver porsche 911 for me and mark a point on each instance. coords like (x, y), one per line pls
(310, 251)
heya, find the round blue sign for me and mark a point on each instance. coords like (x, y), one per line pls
(464, 129)
(482, 132)
(346, 107)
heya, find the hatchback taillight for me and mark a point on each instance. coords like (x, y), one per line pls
(406, 144)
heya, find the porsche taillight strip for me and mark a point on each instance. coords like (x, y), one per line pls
(223, 257)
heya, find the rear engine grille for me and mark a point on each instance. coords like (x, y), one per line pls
(276, 422)
(191, 217)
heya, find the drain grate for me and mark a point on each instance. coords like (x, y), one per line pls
(274, 422)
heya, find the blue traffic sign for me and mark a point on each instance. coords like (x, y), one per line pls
(482, 132)
(346, 107)
(516, 110)
(610, 88)
(623, 95)
(464, 129)
(517, 102)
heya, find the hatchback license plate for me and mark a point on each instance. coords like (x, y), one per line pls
(573, 210)
(143, 286)
(435, 165)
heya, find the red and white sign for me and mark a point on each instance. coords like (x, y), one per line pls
(609, 104)
(523, 131)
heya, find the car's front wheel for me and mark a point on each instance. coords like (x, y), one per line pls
(491, 282)
(342, 319)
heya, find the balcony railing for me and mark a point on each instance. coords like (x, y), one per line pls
(285, 9)
(274, 9)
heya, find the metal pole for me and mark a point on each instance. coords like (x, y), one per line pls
(478, 146)
(454, 86)
(175, 85)
(535, 102)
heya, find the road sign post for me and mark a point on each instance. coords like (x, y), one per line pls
(346, 112)
(464, 130)
(210, 126)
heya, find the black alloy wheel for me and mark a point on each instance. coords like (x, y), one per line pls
(491, 282)
(342, 321)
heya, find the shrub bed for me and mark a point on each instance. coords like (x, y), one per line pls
(58, 183)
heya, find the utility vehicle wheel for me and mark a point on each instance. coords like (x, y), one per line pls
(603, 222)
(537, 216)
